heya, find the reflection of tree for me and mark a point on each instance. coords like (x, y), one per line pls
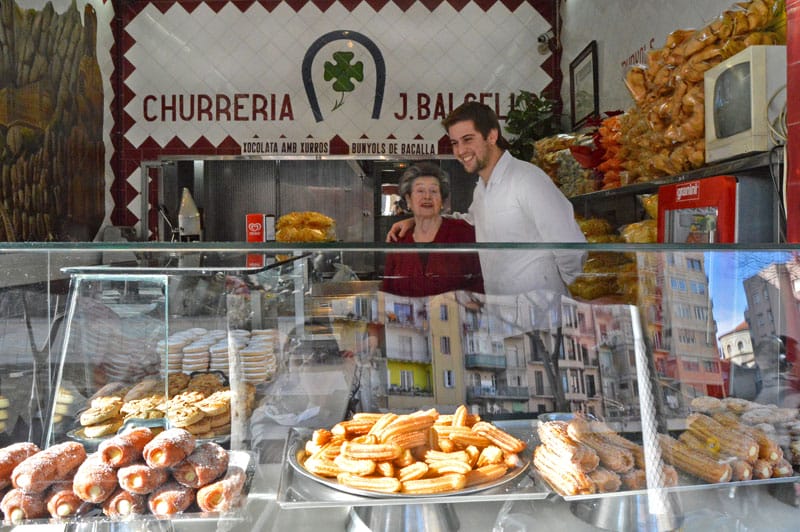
(538, 342)
(551, 369)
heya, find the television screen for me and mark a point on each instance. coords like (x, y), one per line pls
(732, 101)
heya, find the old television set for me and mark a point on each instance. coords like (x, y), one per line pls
(745, 95)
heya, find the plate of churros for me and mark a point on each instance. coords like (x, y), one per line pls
(422, 454)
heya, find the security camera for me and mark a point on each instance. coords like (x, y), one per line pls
(545, 38)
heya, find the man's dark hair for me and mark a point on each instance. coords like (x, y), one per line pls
(482, 116)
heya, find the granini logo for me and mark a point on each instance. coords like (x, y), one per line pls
(688, 191)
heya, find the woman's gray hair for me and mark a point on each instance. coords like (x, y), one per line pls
(423, 169)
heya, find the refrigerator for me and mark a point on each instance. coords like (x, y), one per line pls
(718, 209)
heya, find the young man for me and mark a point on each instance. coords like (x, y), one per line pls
(513, 201)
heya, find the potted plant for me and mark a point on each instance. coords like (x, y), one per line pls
(530, 118)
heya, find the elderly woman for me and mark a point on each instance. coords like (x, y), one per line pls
(424, 187)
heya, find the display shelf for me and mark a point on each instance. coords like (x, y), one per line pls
(613, 356)
(301, 489)
(621, 206)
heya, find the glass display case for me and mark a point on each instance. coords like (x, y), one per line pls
(666, 377)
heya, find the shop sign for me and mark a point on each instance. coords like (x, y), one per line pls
(349, 81)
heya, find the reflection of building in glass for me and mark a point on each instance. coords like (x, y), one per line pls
(773, 314)
(447, 350)
(494, 364)
(617, 357)
(408, 358)
(772, 302)
(677, 309)
(737, 347)
(579, 363)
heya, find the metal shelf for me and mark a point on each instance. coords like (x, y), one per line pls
(730, 167)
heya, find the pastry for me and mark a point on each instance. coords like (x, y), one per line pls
(371, 483)
(124, 449)
(565, 476)
(768, 449)
(502, 439)
(140, 478)
(722, 439)
(18, 505)
(615, 458)
(62, 501)
(405, 423)
(38, 471)
(105, 428)
(693, 462)
(123, 503)
(200, 428)
(168, 448)
(207, 462)
(430, 486)
(94, 480)
(98, 414)
(143, 389)
(215, 404)
(170, 498)
(485, 474)
(224, 494)
(184, 415)
(11, 456)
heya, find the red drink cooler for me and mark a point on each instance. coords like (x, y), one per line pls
(720, 209)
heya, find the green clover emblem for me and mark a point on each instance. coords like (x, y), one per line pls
(343, 72)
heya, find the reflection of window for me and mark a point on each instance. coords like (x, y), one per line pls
(710, 366)
(739, 345)
(405, 346)
(444, 345)
(406, 379)
(694, 264)
(677, 284)
(591, 391)
(449, 379)
(404, 312)
(443, 312)
(691, 365)
(729, 347)
(476, 379)
(539, 381)
(698, 288)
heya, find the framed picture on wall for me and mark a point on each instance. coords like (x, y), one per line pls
(583, 91)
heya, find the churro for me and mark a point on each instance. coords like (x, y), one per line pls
(382, 484)
(413, 471)
(366, 451)
(430, 486)
(485, 474)
(414, 453)
(499, 437)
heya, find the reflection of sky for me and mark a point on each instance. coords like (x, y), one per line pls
(727, 271)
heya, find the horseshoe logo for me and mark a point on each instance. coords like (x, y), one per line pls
(338, 35)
